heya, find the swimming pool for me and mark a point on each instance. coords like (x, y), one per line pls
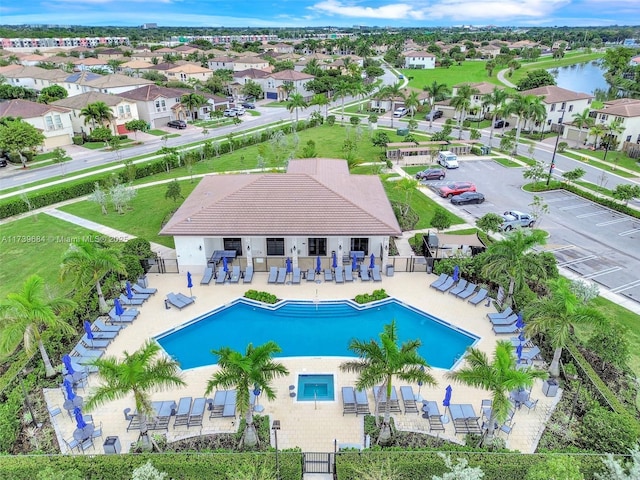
(311, 329)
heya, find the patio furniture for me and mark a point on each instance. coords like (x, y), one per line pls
(501, 330)
(380, 397)
(446, 285)
(504, 314)
(221, 276)
(282, 275)
(459, 288)
(207, 276)
(95, 343)
(408, 400)
(235, 274)
(131, 302)
(179, 300)
(103, 327)
(128, 316)
(229, 409)
(216, 405)
(432, 414)
(478, 297)
(468, 291)
(247, 277)
(362, 403)
(140, 289)
(273, 275)
(513, 318)
(295, 278)
(348, 400)
(364, 273)
(328, 275)
(375, 274)
(182, 414)
(348, 273)
(197, 412)
(531, 405)
(81, 351)
(339, 274)
(311, 275)
(507, 428)
(439, 281)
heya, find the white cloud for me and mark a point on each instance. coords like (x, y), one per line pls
(393, 11)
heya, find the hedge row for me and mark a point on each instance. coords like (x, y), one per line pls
(413, 465)
(78, 188)
(607, 202)
(179, 466)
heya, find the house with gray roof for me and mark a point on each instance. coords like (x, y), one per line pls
(561, 104)
(625, 113)
(317, 207)
(52, 120)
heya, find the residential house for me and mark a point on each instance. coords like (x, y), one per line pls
(625, 113)
(83, 64)
(275, 83)
(135, 67)
(35, 78)
(157, 105)
(246, 63)
(188, 72)
(561, 104)
(419, 59)
(32, 60)
(240, 79)
(382, 105)
(122, 109)
(280, 48)
(54, 122)
(483, 88)
(317, 207)
(221, 63)
(114, 83)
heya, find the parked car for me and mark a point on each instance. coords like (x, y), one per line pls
(249, 105)
(431, 174)
(239, 111)
(455, 188)
(3, 162)
(181, 124)
(448, 159)
(230, 112)
(514, 219)
(400, 112)
(467, 198)
(433, 115)
(500, 124)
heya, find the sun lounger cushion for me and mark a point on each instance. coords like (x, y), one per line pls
(467, 292)
(273, 275)
(505, 329)
(348, 274)
(248, 275)
(139, 289)
(235, 274)
(446, 285)
(282, 275)
(328, 275)
(375, 274)
(364, 273)
(311, 275)
(207, 276)
(339, 275)
(296, 276)
(505, 321)
(478, 297)
(459, 288)
(439, 281)
(504, 314)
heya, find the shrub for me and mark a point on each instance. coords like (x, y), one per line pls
(331, 120)
(78, 140)
(264, 297)
(373, 297)
(606, 431)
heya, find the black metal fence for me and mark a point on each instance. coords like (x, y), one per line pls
(318, 462)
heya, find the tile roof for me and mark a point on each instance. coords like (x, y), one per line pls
(151, 92)
(315, 197)
(189, 68)
(291, 75)
(482, 87)
(623, 107)
(78, 102)
(251, 73)
(34, 72)
(26, 109)
(554, 94)
(116, 80)
(415, 53)
(256, 60)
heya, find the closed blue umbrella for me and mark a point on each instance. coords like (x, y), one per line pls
(447, 396)
(519, 352)
(87, 329)
(118, 307)
(318, 264)
(354, 262)
(456, 273)
(256, 392)
(334, 260)
(189, 283)
(521, 337)
(129, 292)
(289, 266)
(520, 322)
(372, 262)
(68, 388)
(66, 361)
(80, 423)
(225, 264)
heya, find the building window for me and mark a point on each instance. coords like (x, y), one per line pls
(360, 245)
(275, 246)
(58, 122)
(553, 107)
(49, 121)
(317, 246)
(233, 244)
(161, 106)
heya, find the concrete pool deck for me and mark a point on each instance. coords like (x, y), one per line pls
(309, 425)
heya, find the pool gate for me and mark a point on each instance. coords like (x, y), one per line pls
(315, 463)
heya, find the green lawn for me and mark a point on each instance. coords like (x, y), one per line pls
(140, 220)
(156, 132)
(470, 71)
(35, 245)
(505, 162)
(94, 145)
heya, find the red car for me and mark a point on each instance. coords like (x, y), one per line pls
(455, 188)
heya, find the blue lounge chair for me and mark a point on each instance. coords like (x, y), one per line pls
(221, 276)
(478, 297)
(131, 302)
(182, 413)
(197, 412)
(95, 343)
(235, 274)
(273, 275)
(128, 316)
(296, 276)
(529, 356)
(348, 274)
(504, 314)
(339, 274)
(86, 352)
(375, 274)
(104, 328)
(207, 276)
(247, 277)
(505, 321)
(459, 288)
(364, 273)
(328, 275)
(311, 275)
(216, 405)
(439, 281)
(467, 292)
(446, 285)
(500, 330)
(362, 403)
(282, 275)
(139, 289)
(229, 409)
(177, 301)
(348, 400)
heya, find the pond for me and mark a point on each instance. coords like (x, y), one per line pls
(582, 77)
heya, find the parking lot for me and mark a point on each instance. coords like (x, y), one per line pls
(595, 242)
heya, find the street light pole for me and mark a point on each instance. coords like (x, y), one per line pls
(555, 149)
(275, 427)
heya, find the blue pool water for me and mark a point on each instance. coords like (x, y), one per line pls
(315, 387)
(308, 329)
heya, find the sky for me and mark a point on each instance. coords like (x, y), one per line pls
(310, 13)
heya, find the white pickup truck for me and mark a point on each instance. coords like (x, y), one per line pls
(514, 219)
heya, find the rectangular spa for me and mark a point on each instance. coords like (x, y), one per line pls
(315, 387)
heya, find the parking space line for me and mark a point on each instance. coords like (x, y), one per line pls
(626, 286)
(573, 207)
(592, 214)
(603, 272)
(629, 232)
(577, 260)
(560, 249)
(554, 200)
(611, 222)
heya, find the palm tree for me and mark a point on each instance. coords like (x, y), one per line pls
(24, 315)
(140, 373)
(342, 90)
(192, 101)
(321, 100)
(496, 99)
(598, 130)
(296, 102)
(437, 92)
(535, 112)
(519, 106)
(462, 102)
(393, 93)
(361, 89)
(512, 257)
(555, 315)
(254, 369)
(499, 376)
(378, 363)
(582, 120)
(97, 113)
(88, 264)
(412, 102)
